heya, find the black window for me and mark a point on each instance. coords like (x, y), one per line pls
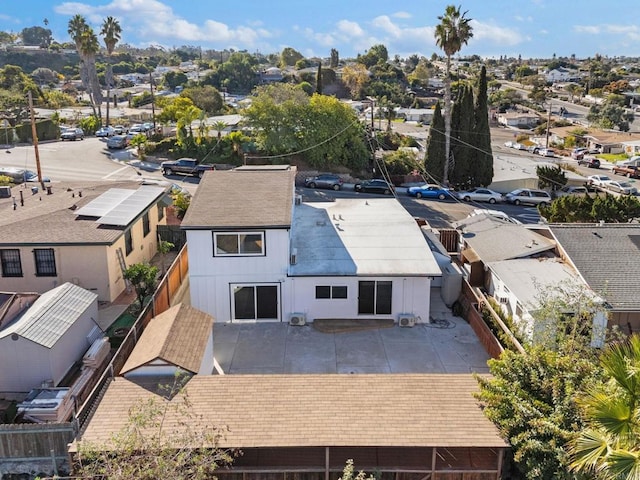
(10, 262)
(45, 262)
(160, 212)
(374, 297)
(128, 242)
(323, 291)
(339, 292)
(145, 224)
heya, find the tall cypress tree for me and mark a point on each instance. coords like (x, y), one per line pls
(434, 157)
(461, 174)
(319, 80)
(482, 155)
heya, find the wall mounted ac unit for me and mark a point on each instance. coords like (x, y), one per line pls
(293, 257)
(297, 319)
(298, 199)
(406, 320)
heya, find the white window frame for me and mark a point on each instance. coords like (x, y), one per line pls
(239, 254)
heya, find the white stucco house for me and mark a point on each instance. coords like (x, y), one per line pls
(42, 343)
(267, 256)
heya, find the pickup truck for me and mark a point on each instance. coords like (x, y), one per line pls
(631, 171)
(186, 166)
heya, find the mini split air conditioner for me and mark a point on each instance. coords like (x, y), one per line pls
(406, 320)
(297, 319)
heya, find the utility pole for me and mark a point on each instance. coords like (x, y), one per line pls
(34, 134)
(153, 108)
(548, 125)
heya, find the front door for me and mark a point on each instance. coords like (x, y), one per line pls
(255, 302)
(374, 298)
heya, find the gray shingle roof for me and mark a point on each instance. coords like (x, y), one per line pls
(50, 219)
(52, 314)
(242, 199)
(607, 257)
(319, 410)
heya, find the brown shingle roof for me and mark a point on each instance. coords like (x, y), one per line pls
(319, 410)
(50, 219)
(178, 336)
(242, 199)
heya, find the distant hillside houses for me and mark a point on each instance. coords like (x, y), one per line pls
(561, 74)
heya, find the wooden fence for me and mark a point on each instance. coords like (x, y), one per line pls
(36, 442)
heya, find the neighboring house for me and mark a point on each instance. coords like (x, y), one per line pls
(561, 75)
(80, 235)
(270, 75)
(270, 257)
(631, 148)
(43, 342)
(402, 426)
(179, 341)
(518, 120)
(521, 286)
(607, 257)
(485, 239)
(609, 142)
(232, 123)
(423, 115)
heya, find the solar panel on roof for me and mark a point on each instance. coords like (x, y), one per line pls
(131, 207)
(104, 203)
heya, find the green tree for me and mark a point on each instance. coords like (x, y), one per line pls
(376, 55)
(335, 58)
(355, 77)
(481, 153)
(171, 108)
(111, 34)
(435, 154)
(400, 162)
(608, 209)
(181, 202)
(453, 31)
(36, 36)
(319, 80)
(87, 46)
(174, 78)
(610, 115)
(206, 98)
(461, 172)
(150, 446)
(144, 278)
(609, 447)
(289, 57)
(552, 178)
(138, 142)
(348, 473)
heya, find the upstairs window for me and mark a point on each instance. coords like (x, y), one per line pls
(331, 291)
(10, 263)
(145, 225)
(238, 244)
(45, 260)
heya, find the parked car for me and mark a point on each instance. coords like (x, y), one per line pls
(119, 130)
(578, 153)
(598, 181)
(376, 185)
(117, 142)
(572, 190)
(430, 191)
(479, 194)
(622, 187)
(528, 196)
(325, 180)
(186, 166)
(534, 149)
(495, 214)
(136, 129)
(19, 175)
(520, 146)
(105, 132)
(509, 144)
(590, 162)
(72, 134)
(630, 171)
(547, 152)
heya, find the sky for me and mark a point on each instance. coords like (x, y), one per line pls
(530, 28)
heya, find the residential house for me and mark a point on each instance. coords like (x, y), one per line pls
(84, 234)
(609, 141)
(426, 425)
(422, 115)
(607, 258)
(631, 147)
(270, 75)
(269, 257)
(179, 341)
(561, 74)
(518, 119)
(41, 343)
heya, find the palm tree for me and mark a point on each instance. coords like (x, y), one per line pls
(219, 127)
(87, 46)
(110, 32)
(610, 447)
(452, 32)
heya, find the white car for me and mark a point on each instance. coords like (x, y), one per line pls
(599, 181)
(509, 144)
(547, 152)
(573, 191)
(622, 187)
(105, 132)
(494, 214)
(479, 194)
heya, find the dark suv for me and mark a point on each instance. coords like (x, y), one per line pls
(326, 180)
(590, 162)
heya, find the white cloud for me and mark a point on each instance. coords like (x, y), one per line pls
(401, 15)
(350, 29)
(591, 29)
(495, 34)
